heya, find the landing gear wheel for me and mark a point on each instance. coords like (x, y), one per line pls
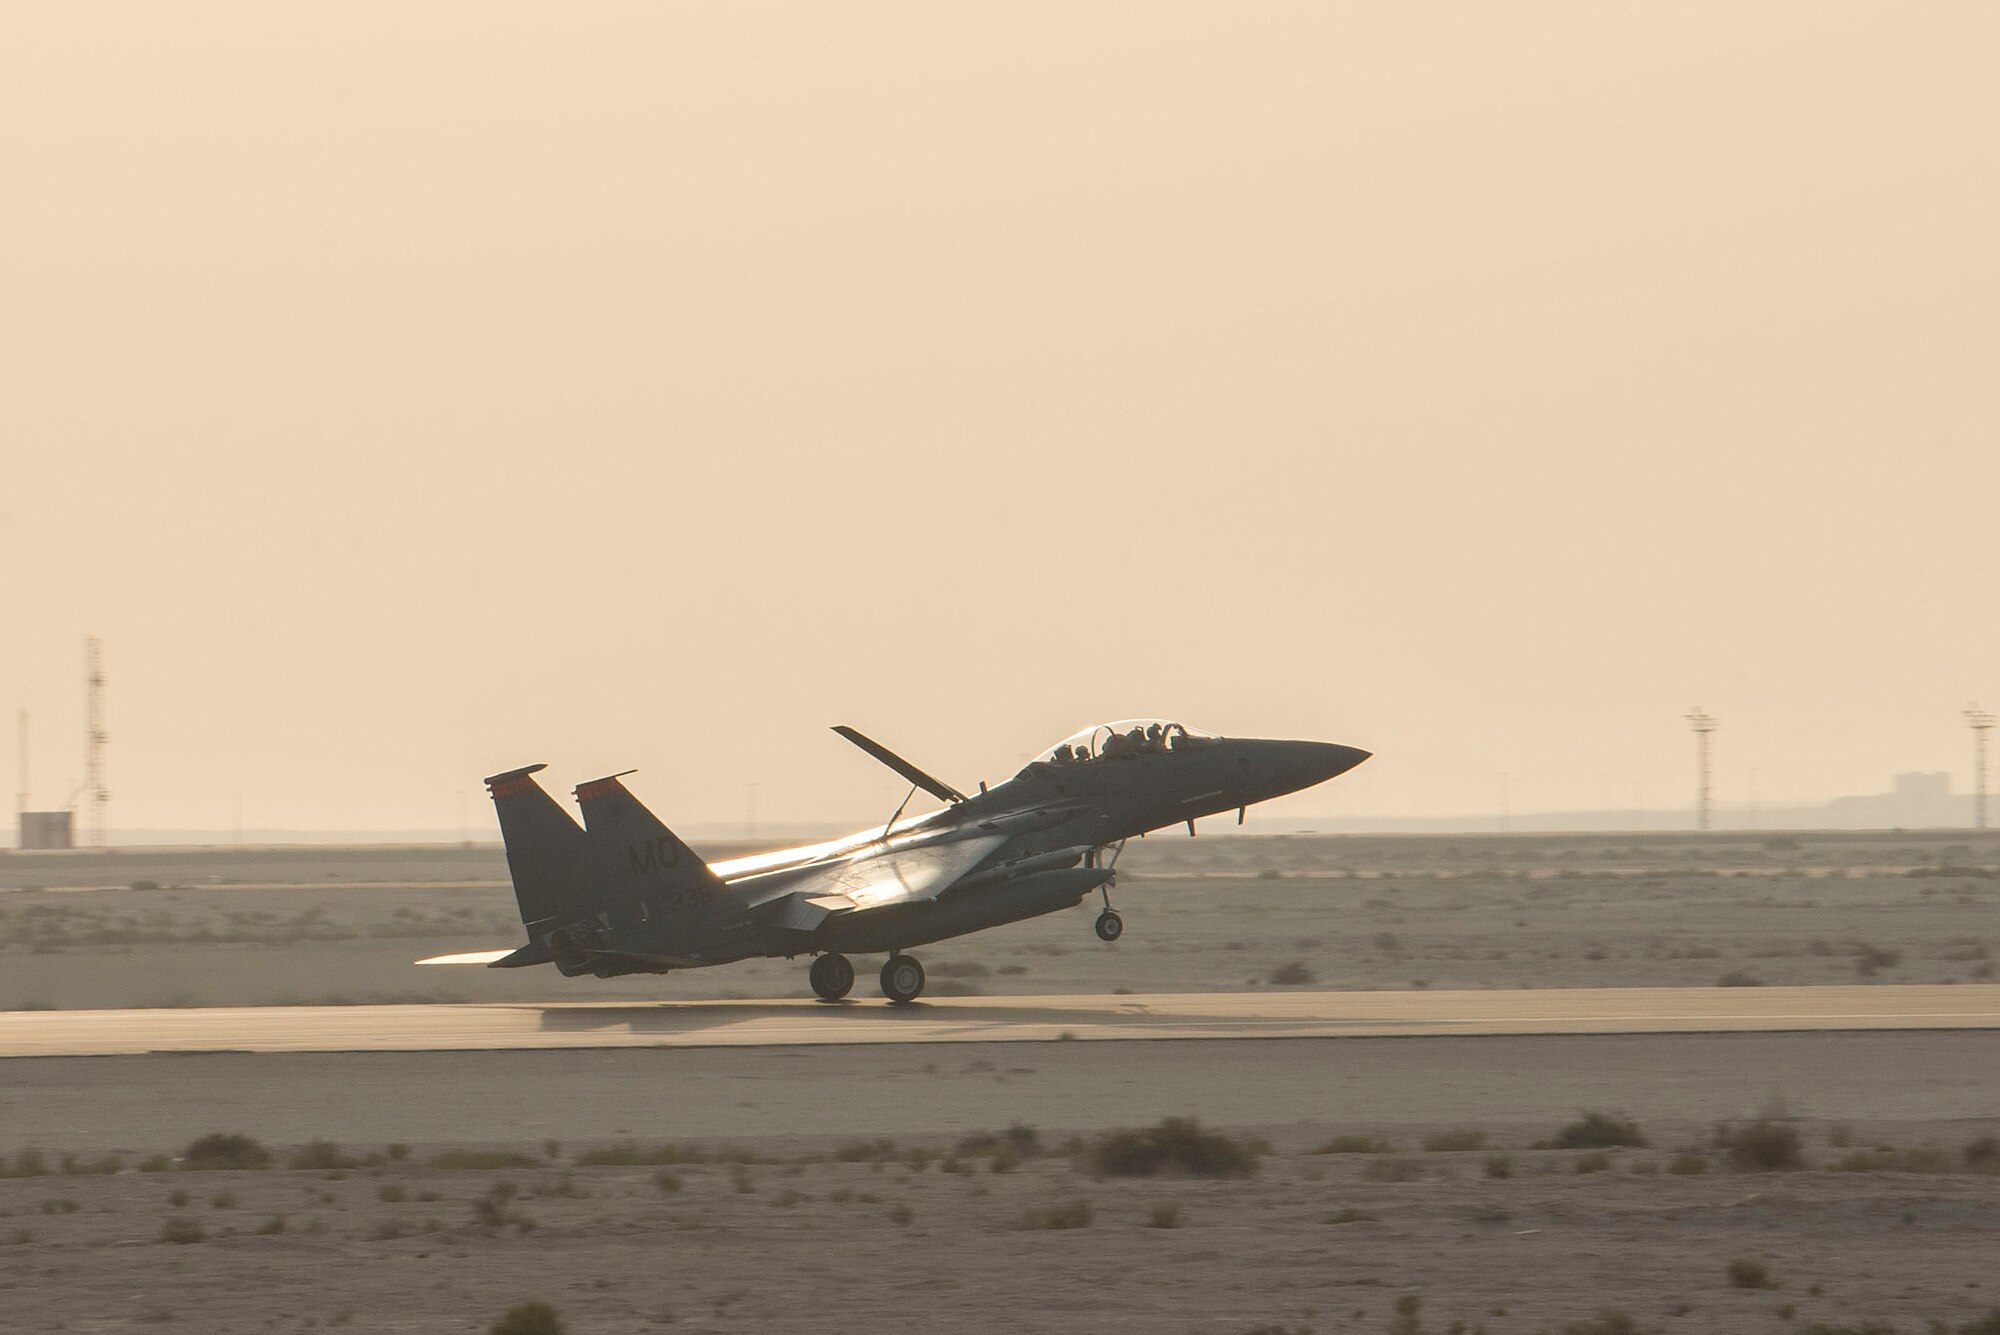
(832, 976)
(902, 979)
(1109, 925)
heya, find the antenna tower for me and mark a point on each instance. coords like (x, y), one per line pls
(1980, 721)
(94, 738)
(1703, 724)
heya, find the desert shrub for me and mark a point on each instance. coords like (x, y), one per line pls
(104, 1167)
(1391, 1170)
(1453, 1142)
(528, 1319)
(1176, 1145)
(1766, 1145)
(1071, 1214)
(1688, 1163)
(157, 1163)
(225, 1151)
(1347, 1215)
(1598, 1131)
(1356, 1145)
(25, 1163)
(1868, 960)
(1608, 1321)
(482, 1160)
(1024, 1141)
(1739, 978)
(223, 1200)
(178, 1198)
(1747, 1274)
(1293, 974)
(900, 1214)
(1924, 1159)
(387, 1230)
(182, 1230)
(668, 1183)
(1591, 1161)
(1499, 1165)
(1983, 1156)
(274, 1225)
(322, 1155)
(1165, 1216)
(389, 1193)
(867, 1151)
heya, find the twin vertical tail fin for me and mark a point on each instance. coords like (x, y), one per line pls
(547, 852)
(639, 861)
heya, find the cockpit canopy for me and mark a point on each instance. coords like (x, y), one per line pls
(1126, 737)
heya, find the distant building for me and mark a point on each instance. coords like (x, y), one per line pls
(47, 829)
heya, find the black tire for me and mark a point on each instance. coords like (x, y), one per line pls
(832, 977)
(1110, 926)
(902, 979)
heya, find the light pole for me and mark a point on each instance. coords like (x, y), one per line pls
(1980, 721)
(1703, 724)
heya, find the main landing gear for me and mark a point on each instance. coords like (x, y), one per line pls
(832, 977)
(902, 979)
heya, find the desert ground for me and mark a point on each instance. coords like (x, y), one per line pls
(257, 927)
(1817, 1182)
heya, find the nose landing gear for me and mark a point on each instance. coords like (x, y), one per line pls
(1109, 925)
(832, 976)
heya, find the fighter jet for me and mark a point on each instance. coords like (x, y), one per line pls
(621, 894)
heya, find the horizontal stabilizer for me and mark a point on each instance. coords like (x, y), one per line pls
(535, 952)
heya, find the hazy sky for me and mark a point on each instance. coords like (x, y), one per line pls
(409, 392)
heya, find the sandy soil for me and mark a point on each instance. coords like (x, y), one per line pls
(264, 927)
(798, 1239)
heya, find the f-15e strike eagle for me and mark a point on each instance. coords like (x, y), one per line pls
(621, 894)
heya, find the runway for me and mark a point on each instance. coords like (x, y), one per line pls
(1185, 1016)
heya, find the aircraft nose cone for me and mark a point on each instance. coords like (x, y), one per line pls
(1325, 760)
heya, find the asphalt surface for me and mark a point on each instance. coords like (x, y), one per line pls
(1231, 1015)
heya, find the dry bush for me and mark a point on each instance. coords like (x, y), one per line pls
(182, 1230)
(1747, 1274)
(482, 1160)
(1355, 1145)
(322, 1155)
(1392, 1170)
(528, 1319)
(225, 1151)
(1071, 1214)
(1596, 1131)
(1766, 1145)
(1024, 1142)
(1455, 1142)
(1294, 974)
(1883, 1159)
(1177, 1145)
(1165, 1215)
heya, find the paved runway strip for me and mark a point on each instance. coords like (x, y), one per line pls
(996, 1019)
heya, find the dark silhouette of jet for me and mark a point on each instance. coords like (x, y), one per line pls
(621, 894)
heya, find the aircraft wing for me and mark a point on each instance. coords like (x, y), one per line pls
(875, 881)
